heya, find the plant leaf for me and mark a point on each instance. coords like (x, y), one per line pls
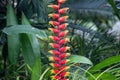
(36, 70)
(13, 40)
(31, 40)
(17, 29)
(79, 59)
(105, 63)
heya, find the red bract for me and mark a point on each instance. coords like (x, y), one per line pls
(54, 30)
(63, 33)
(63, 62)
(54, 58)
(64, 49)
(64, 74)
(54, 71)
(54, 52)
(55, 7)
(54, 38)
(63, 41)
(63, 68)
(63, 10)
(55, 65)
(54, 15)
(63, 26)
(63, 18)
(64, 55)
(54, 23)
(54, 45)
(61, 1)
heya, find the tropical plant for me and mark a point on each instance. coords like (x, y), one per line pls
(24, 39)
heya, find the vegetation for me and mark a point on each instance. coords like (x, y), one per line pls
(24, 39)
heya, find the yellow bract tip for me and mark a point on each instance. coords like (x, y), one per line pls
(67, 74)
(49, 5)
(68, 48)
(49, 28)
(50, 22)
(50, 44)
(50, 51)
(67, 60)
(51, 58)
(66, 31)
(68, 54)
(68, 39)
(67, 24)
(51, 64)
(52, 71)
(67, 16)
(50, 36)
(68, 67)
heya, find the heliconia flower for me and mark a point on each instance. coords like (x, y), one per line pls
(54, 45)
(63, 18)
(61, 1)
(59, 52)
(64, 55)
(64, 49)
(53, 71)
(64, 61)
(55, 7)
(54, 15)
(63, 41)
(55, 65)
(64, 74)
(54, 58)
(54, 23)
(63, 10)
(54, 38)
(55, 52)
(63, 33)
(63, 26)
(54, 30)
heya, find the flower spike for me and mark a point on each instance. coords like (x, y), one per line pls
(59, 50)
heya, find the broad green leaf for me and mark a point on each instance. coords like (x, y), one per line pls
(27, 50)
(31, 40)
(79, 59)
(13, 40)
(105, 76)
(116, 11)
(17, 29)
(24, 20)
(105, 63)
(36, 70)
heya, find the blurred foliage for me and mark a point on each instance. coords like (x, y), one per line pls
(24, 39)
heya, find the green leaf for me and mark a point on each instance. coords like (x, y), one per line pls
(17, 29)
(116, 11)
(13, 40)
(36, 70)
(105, 76)
(79, 59)
(27, 50)
(25, 20)
(105, 63)
(30, 45)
